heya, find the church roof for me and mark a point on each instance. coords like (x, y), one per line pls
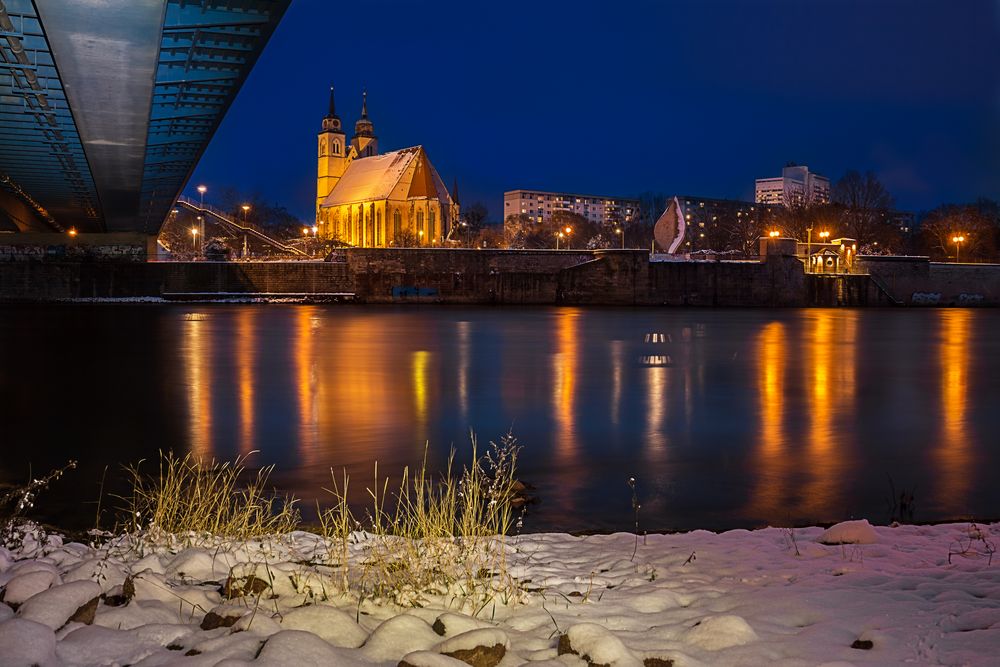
(402, 174)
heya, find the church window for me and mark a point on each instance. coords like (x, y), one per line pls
(430, 215)
(397, 225)
(336, 148)
(420, 226)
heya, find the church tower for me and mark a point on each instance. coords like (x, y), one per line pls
(364, 141)
(332, 155)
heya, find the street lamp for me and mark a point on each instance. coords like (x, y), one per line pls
(569, 230)
(202, 190)
(558, 236)
(421, 235)
(774, 233)
(201, 227)
(246, 209)
(72, 231)
(194, 239)
(958, 239)
(621, 233)
(824, 236)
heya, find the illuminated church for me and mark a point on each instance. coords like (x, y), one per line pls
(378, 200)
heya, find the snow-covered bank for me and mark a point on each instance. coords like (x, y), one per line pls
(904, 595)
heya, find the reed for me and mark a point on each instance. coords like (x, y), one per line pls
(224, 500)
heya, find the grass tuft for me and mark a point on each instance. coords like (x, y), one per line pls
(219, 499)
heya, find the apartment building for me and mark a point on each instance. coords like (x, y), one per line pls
(797, 186)
(540, 206)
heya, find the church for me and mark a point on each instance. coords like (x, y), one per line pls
(378, 200)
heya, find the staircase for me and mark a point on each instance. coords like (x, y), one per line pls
(232, 226)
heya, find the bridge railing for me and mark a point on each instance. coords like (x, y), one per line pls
(247, 229)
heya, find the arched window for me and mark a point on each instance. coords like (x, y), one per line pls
(397, 225)
(420, 227)
(433, 230)
(379, 234)
(336, 148)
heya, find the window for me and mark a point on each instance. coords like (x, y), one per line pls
(336, 148)
(420, 227)
(431, 218)
(397, 225)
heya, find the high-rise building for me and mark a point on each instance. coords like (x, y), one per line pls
(540, 206)
(797, 186)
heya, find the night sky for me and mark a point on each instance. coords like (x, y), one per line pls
(681, 97)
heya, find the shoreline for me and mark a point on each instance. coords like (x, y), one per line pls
(884, 595)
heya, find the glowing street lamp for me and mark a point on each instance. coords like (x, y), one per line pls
(621, 232)
(958, 239)
(774, 233)
(194, 238)
(315, 228)
(305, 231)
(824, 236)
(72, 231)
(568, 230)
(421, 235)
(558, 237)
(202, 190)
(246, 209)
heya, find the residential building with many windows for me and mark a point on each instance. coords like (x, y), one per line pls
(540, 206)
(797, 186)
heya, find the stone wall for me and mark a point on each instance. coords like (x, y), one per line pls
(917, 281)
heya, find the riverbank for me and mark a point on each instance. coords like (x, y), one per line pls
(889, 595)
(510, 277)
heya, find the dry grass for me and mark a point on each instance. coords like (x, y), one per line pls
(219, 499)
(441, 535)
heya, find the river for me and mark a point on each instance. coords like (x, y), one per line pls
(725, 418)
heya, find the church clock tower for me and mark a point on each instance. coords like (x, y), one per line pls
(332, 155)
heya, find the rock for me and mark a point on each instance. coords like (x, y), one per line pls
(428, 659)
(480, 656)
(849, 532)
(596, 646)
(221, 617)
(482, 647)
(24, 643)
(24, 586)
(237, 587)
(86, 613)
(450, 623)
(863, 644)
(657, 662)
(55, 606)
(328, 623)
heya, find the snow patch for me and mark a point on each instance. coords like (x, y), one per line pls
(849, 532)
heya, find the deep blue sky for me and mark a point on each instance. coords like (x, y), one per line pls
(681, 96)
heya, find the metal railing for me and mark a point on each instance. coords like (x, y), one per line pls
(219, 214)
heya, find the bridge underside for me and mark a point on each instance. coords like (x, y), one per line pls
(105, 108)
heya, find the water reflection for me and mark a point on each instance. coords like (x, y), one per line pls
(198, 366)
(953, 457)
(830, 375)
(762, 416)
(246, 351)
(772, 460)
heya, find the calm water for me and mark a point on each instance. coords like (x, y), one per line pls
(727, 418)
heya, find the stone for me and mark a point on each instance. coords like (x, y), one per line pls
(480, 656)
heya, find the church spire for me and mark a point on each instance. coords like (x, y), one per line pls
(454, 190)
(364, 127)
(364, 104)
(331, 123)
(333, 110)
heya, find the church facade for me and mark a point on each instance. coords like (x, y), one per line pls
(378, 200)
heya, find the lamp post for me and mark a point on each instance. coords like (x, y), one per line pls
(201, 227)
(957, 239)
(246, 209)
(809, 248)
(569, 230)
(621, 232)
(194, 239)
(201, 191)
(774, 233)
(558, 237)
(421, 235)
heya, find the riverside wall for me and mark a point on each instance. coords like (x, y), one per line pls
(542, 277)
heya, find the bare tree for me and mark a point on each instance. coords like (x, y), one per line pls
(944, 223)
(866, 204)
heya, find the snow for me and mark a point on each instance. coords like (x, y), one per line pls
(774, 596)
(849, 532)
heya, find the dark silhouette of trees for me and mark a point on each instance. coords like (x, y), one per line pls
(971, 221)
(866, 205)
